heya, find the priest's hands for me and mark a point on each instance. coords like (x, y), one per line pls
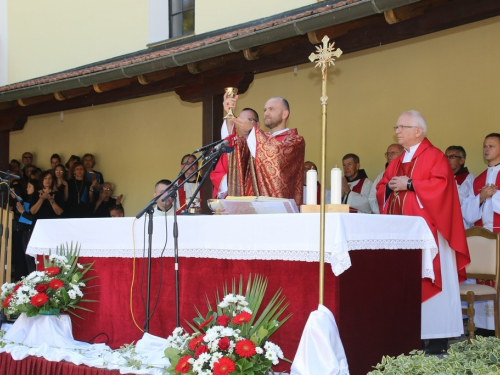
(399, 183)
(486, 192)
(244, 127)
(345, 187)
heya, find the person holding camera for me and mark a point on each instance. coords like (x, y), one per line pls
(50, 200)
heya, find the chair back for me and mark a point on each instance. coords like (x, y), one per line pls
(484, 247)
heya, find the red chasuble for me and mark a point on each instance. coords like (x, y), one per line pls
(434, 184)
(276, 170)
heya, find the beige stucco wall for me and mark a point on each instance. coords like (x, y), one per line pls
(451, 77)
(217, 14)
(50, 36)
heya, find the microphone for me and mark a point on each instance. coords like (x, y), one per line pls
(216, 143)
(11, 175)
(18, 198)
(217, 148)
(221, 148)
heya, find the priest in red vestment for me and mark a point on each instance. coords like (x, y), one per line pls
(264, 163)
(421, 183)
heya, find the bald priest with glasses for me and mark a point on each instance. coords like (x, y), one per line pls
(420, 182)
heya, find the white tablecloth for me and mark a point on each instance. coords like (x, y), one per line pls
(293, 237)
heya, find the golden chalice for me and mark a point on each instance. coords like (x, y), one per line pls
(231, 93)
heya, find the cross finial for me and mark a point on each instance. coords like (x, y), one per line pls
(324, 57)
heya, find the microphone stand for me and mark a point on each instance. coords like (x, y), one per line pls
(212, 158)
(149, 208)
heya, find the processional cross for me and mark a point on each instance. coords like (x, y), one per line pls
(324, 57)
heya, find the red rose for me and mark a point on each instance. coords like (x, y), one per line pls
(206, 322)
(56, 284)
(52, 271)
(201, 349)
(17, 287)
(7, 300)
(183, 366)
(223, 366)
(40, 288)
(241, 318)
(195, 342)
(223, 320)
(39, 299)
(245, 348)
(224, 343)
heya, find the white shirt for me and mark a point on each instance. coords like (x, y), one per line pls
(473, 211)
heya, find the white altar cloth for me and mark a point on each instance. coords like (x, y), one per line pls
(293, 237)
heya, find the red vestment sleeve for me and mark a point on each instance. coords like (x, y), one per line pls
(219, 173)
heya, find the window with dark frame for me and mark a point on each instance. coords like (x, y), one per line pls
(181, 17)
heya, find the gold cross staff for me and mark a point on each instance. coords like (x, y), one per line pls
(324, 57)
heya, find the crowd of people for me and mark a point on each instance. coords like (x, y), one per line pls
(73, 190)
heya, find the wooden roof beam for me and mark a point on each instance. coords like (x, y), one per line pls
(113, 85)
(24, 102)
(70, 94)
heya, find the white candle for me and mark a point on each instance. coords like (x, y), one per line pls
(336, 185)
(312, 187)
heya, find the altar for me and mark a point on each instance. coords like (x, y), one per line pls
(362, 287)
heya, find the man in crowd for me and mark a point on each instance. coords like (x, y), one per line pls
(163, 208)
(265, 163)
(456, 156)
(88, 161)
(483, 205)
(117, 211)
(393, 151)
(219, 174)
(355, 185)
(27, 160)
(185, 193)
(105, 201)
(420, 183)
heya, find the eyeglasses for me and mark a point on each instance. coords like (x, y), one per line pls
(106, 189)
(401, 127)
(451, 157)
(391, 153)
(27, 157)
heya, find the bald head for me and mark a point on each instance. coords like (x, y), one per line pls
(393, 151)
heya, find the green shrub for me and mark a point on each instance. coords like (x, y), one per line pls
(481, 357)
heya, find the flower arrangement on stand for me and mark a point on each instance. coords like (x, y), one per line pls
(233, 339)
(58, 286)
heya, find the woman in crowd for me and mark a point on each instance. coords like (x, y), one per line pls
(70, 164)
(61, 183)
(80, 193)
(50, 200)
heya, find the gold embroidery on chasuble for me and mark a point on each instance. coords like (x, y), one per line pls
(397, 198)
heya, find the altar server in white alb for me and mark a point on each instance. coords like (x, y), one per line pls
(483, 206)
(482, 209)
(355, 185)
(421, 183)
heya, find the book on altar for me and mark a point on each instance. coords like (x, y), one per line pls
(258, 205)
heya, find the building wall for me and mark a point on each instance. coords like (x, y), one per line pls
(450, 76)
(217, 14)
(50, 36)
